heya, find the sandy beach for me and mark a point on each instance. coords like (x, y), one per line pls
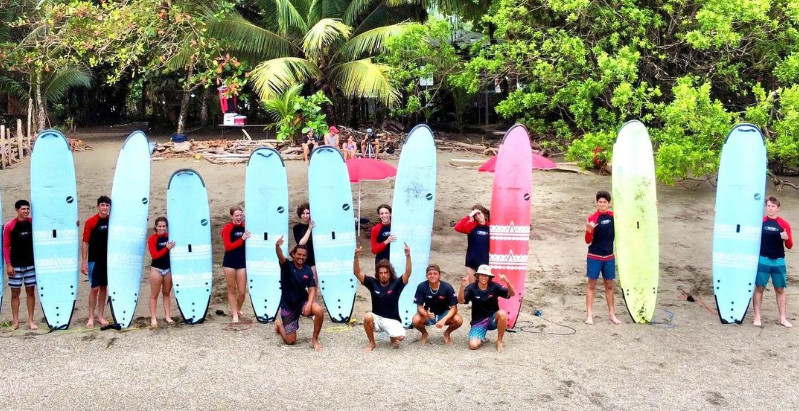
(687, 360)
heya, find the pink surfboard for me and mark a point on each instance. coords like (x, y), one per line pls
(510, 216)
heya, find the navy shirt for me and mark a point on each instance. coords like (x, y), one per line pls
(485, 303)
(299, 230)
(385, 300)
(601, 239)
(771, 243)
(437, 302)
(294, 283)
(477, 246)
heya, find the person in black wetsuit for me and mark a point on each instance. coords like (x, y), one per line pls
(95, 261)
(302, 234)
(234, 234)
(18, 254)
(476, 226)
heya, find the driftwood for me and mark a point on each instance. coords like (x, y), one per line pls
(215, 151)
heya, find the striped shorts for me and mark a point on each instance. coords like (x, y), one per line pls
(22, 275)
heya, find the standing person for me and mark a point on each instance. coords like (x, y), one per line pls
(484, 295)
(298, 296)
(476, 226)
(437, 305)
(370, 139)
(94, 259)
(234, 262)
(381, 237)
(349, 148)
(18, 254)
(302, 234)
(385, 288)
(309, 142)
(160, 272)
(332, 137)
(599, 234)
(776, 237)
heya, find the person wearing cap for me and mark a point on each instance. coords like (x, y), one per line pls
(332, 137)
(370, 138)
(385, 288)
(484, 295)
(437, 305)
(309, 142)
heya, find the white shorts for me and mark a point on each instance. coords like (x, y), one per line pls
(391, 327)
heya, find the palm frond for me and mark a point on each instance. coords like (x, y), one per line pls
(363, 78)
(289, 18)
(13, 87)
(322, 34)
(272, 77)
(249, 38)
(56, 86)
(355, 10)
(370, 42)
(180, 59)
(281, 106)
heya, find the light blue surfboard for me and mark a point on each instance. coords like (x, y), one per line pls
(266, 198)
(56, 239)
(190, 229)
(412, 212)
(127, 227)
(330, 196)
(740, 197)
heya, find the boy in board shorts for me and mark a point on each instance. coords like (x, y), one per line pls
(484, 294)
(776, 237)
(18, 254)
(599, 234)
(95, 261)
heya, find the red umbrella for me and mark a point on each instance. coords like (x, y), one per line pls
(540, 162)
(364, 169)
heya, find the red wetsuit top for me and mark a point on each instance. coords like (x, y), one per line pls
(95, 233)
(157, 246)
(381, 250)
(234, 245)
(18, 243)
(771, 244)
(600, 241)
(477, 241)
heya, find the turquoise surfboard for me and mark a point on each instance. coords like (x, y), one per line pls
(127, 226)
(266, 198)
(56, 238)
(190, 229)
(740, 196)
(412, 212)
(330, 196)
(636, 220)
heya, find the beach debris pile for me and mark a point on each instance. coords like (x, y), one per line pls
(222, 151)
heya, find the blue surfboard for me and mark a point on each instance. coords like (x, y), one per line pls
(56, 239)
(740, 197)
(127, 226)
(190, 229)
(412, 212)
(266, 198)
(330, 196)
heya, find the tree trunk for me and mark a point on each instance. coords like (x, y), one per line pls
(204, 106)
(41, 117)
(184, 103)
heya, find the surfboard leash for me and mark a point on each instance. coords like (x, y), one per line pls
(667, 323)
(522, 326)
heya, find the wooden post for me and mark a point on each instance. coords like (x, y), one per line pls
(3, 157)
(20, 140)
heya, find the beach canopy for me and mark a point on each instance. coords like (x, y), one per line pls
(368, 169)
(540, 162)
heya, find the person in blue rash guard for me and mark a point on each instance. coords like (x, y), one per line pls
(385, 288)
(437, 304)
(776, 237)
(476, 226)
(599, 234)
(484, 294)
(298, 295)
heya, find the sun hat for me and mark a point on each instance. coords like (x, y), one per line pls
(485, 270)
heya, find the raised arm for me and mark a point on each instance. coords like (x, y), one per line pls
(461, 297)
(408, 267)
(307, 235)
(511, 291)
(279, 251)
(356, 266)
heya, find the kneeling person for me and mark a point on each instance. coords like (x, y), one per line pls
(484, 295)
(385, 288)
(437, 305)
(298, 297)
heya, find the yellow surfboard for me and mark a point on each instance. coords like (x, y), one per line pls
(636, 220)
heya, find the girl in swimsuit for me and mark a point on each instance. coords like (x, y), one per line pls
(160, 273)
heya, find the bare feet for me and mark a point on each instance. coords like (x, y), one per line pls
(614, 320)
(316, 344)
(235, 320)
(15, 325)
(423, 340)
(785, 323)
(394, 343)
(757, 322)
(102, 321)
(153, 322)
(447, 338)
(500, 346)
(90, 323)
(169, 320)
(589, 320)
(32, 325)
(369, 347)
